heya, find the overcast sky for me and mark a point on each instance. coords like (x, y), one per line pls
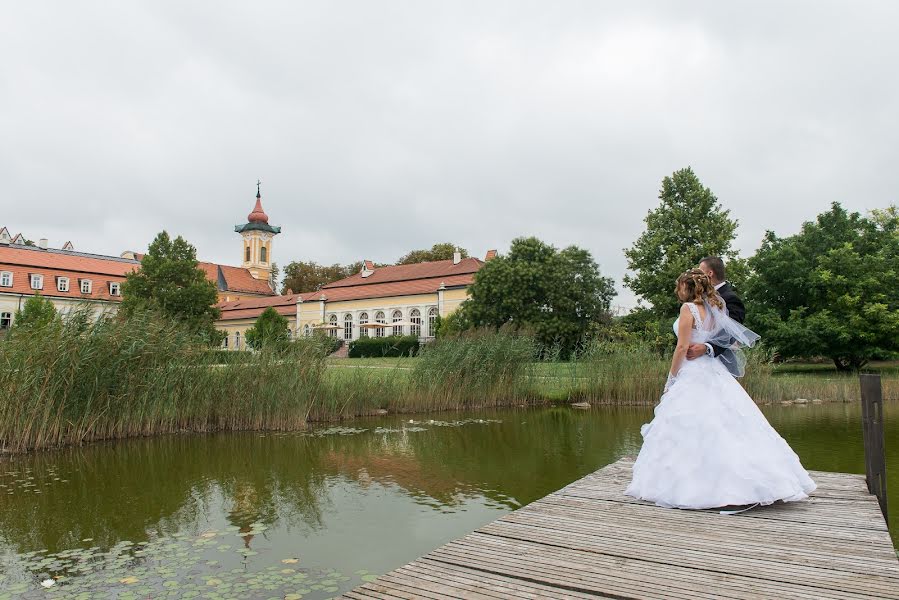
(379, 127)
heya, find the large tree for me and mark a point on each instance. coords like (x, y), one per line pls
(688, 224)
(442, 251)
(302, 276)
(269, 331)
(557, 293)
(169, 281)
(831, 290)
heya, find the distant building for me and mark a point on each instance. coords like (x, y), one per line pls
(377, 301)
(69, 278)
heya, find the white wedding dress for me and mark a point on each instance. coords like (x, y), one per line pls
(710, 446)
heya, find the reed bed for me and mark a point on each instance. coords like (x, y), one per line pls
(81, 380)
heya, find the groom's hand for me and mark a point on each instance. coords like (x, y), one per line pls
(695, 351)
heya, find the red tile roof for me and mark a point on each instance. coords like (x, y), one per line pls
(65, 260)
(253, 307)
(424, 270)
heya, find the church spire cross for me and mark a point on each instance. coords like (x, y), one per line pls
(258, 183)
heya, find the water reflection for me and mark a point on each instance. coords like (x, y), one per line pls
(229, 507)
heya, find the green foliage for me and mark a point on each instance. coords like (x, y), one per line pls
(831, 290)
(302, 276)
(37, 312)
(688, 225)
(454, 323)
(390, 346)
(170, 282)
(270, 331)
(558, 294)
(476, 368)
(443, 251)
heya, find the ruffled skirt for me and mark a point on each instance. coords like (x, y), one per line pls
(709, 446)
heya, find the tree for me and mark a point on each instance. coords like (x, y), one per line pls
(269, 331)
(302, 276)
(688, 225)
(831, 290)
(37, 312)
(169, 281)
(442, 251)
(556, 293)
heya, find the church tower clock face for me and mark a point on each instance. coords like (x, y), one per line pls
(257, 236)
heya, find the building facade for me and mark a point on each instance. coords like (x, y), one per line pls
(376, 302)
(70, 279)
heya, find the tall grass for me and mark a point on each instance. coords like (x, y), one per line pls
(84, 379)
(477, 368)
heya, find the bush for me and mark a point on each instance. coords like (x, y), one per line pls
(390, 346)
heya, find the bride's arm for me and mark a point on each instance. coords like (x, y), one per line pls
(684, 333)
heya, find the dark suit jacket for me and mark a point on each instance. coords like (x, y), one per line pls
(735, 309)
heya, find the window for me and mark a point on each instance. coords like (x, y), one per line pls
(237, 340)
(290, 334)
(62, 284)
(247, 254)
(397, 317)
(115, 288)
(6, 279)
(86, 286)
(363, 320)
(348, 327)
(415, 319)
(37, 282)
(263, 254)
(432, 321)
(380, 318)
(5, 320)
(332, 331)
(225, 341)
(306, 331)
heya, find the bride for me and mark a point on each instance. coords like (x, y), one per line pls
(709, 445)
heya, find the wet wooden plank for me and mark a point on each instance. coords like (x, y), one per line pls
(590, 540)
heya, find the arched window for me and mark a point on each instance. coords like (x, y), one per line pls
(289, 334)
(237, 340)
(397, 317)
(432, 321)
(332, 331)
(247, 254)
(225, 341)
(263, 254)
(306, 331)
(380, 318)
(348, 327)
(415, 319)
(363, 320)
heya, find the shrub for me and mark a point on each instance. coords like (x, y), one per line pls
(390, 346)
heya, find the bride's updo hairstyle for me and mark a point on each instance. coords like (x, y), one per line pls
(694, 286)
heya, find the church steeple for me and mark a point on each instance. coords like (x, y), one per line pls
(257, 237)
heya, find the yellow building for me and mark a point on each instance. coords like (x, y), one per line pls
(377, 301)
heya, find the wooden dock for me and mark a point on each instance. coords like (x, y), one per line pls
(590, 540)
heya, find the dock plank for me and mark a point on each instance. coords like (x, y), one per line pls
(590, 540)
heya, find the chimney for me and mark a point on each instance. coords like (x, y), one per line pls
(42, 243)
(491, 254)
(457, 257)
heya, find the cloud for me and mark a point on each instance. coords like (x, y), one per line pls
(381, 127)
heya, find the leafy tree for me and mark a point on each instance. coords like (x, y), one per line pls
(269, 331)
(831, 290)
(169, 281)
(36, 312)
(556, 293)
(442, 251)
(302, 276)
(688, 225)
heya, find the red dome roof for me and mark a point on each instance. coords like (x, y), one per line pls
(258, 215)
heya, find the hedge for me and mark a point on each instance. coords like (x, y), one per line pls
(390, 346)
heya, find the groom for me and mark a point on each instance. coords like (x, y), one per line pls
(713, 266)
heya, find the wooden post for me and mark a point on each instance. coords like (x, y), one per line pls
(872, 434)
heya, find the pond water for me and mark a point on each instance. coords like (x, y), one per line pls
(310, 515)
